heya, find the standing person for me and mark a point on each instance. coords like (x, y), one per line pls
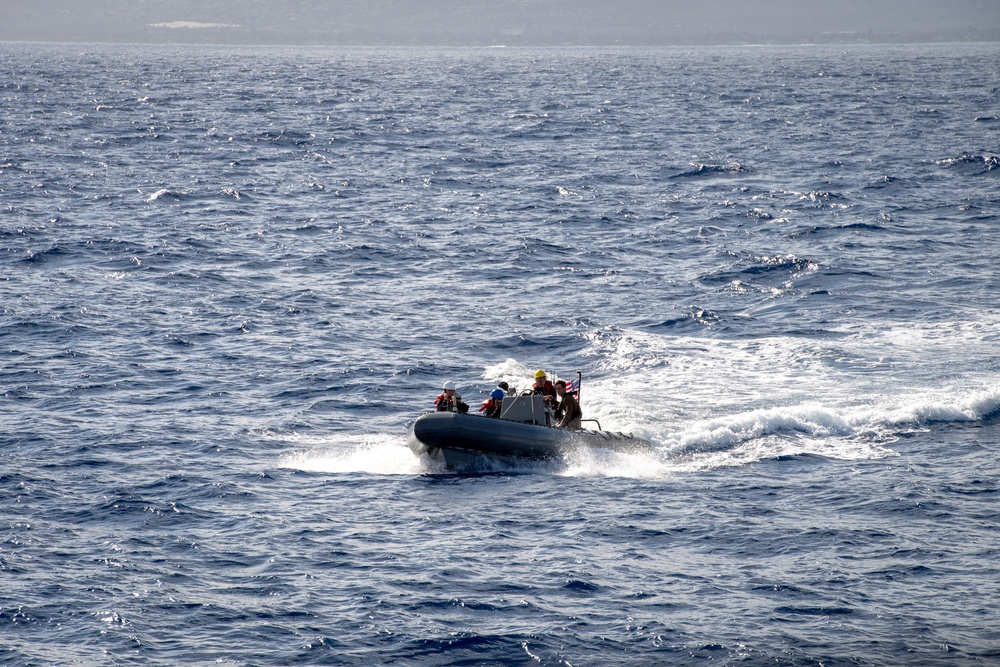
(448, 400)
(543, 387)
(572, 414)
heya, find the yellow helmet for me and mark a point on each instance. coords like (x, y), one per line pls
(539, 373)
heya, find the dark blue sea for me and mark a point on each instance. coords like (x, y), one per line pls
(231, 278)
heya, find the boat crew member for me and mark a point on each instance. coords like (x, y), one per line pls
(449, 401)
(572, 414)
(492, 406)
(543, 387)
(507, 389)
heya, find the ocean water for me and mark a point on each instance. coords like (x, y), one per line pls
(231, 278)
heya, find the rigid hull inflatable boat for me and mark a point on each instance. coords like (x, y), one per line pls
(523, 431)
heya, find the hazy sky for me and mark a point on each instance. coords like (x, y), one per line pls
(499, 21)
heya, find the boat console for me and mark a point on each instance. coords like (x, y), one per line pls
(527, 410)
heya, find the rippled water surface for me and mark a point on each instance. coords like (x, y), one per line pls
(231, 278)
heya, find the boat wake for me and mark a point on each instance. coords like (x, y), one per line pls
(706, 404)
(865, 432)
(380, 454)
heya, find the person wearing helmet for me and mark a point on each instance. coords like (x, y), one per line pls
(569, 413)
(492, 406)
(543, 387)
(448, 400)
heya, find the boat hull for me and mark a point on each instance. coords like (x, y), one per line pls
(459, 439)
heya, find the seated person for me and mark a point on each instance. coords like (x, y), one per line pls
(449, 401)
(494, 404)
(569, 407)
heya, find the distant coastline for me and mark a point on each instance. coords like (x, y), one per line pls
(189, 32)
(478, 23)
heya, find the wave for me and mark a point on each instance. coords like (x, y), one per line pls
(979, 406)
(874, 424)
(285, 138)
(695, 317)
(45, 256)
(972, 164)
(756, 268)
(708, 170)
(234, 193)
(164, 194)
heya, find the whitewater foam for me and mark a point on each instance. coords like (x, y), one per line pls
(381, 454)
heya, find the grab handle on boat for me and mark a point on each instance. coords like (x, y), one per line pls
(595, 421)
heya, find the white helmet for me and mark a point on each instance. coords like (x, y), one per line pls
(449, 385)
